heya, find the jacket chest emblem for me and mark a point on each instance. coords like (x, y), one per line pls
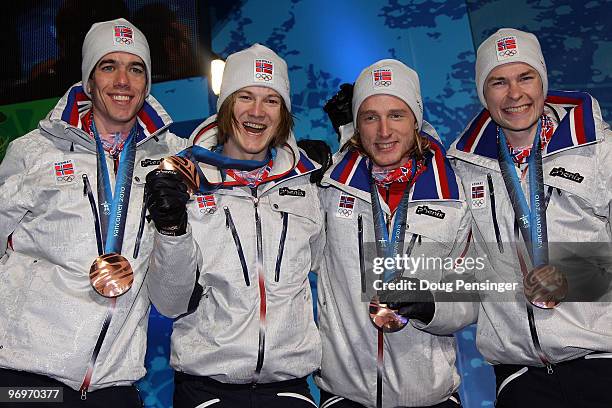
(206, 204)
(478, 195)
(64, 172)
(286, 191)
(150, 162)
(425, 210)
(346, 207)
(568, 175)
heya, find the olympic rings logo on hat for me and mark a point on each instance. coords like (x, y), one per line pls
(382, 83)
(124, 40)
(508, 53)
(263, 77)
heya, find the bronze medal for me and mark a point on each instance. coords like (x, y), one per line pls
(384, 318)
(185, 168)
(545, 287)
(111, 275)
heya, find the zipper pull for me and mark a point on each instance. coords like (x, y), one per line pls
(85, 184)
(226, 211)
(83, 395)
(549, 369)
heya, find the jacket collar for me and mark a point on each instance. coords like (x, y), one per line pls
(576, 128)
(289, 162)
(436, 183)
(72, 107)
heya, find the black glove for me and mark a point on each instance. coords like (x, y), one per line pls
(339, 107)
(320, 152)
(414, 304)
(166, 199)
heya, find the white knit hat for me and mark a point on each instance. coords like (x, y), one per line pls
(505, 46)
(389, 77)
(255, 66)
(113, 36)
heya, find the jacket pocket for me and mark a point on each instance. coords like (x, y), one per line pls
(229, 223)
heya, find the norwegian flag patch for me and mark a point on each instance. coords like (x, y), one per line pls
(478, 195)
(206, 204)
(263, 70)
(382, 77)
(346, 206)
(64, 172)
(507, 47)
(123, 35)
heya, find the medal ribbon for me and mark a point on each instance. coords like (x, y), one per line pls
(114, 213)
(532, 218)
(387, 246)
(531, 221)
(113, 208)
(198, 154)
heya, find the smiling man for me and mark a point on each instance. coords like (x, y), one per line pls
(392, 168)
(74, 300)
(536, 166)
(250, 339)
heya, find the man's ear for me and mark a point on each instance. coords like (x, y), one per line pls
(89, 84)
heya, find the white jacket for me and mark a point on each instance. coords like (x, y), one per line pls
(50, 316)
(577, 165)
(221, 338)
(419, 366)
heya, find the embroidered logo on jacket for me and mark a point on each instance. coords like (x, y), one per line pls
(425, 210)
(561, 172)
(345, 206)
(64, 172)
(150, 162)
(206, 204)
(286, 191)
(478, 196)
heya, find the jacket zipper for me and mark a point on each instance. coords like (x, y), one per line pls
(281, 246)
(500, 245)
(229, 223)
(262, 289)
(361, 253)
(143, 213)
(92, 202)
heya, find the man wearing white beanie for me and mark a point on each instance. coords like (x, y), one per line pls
(74, 302)
(536, 166)
(390, 179)
(251, 339)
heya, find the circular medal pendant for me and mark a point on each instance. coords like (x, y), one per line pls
(385, 318)
(185, 168)
(111, 275)
(545, 287)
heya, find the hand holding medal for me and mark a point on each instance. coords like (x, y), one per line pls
(185, 168)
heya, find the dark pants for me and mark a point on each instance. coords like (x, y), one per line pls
(333, 401)
(584, 382)
(191, 391)
(114, 397)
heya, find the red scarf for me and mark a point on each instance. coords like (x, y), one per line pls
(252, 178)
(521, 154)
(391, 184)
